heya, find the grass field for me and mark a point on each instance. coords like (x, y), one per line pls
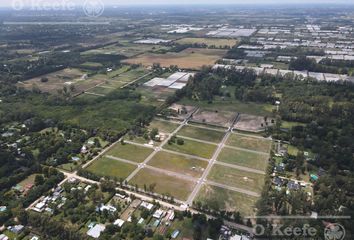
(232, 106)
(180, 164)
(243, 158)
(130, 152)
(201, 133)
(191, 58)
(126, 49)
(165, 184)
(101, 90)
(217, 42)
(193, 148)
(226, 200)
(163, 126)
(111, 168)
(255, 144)
(237, 178)
(28, 180)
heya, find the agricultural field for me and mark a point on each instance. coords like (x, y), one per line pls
(180, 164)
(191, 58)
(164, 184)
(237, 178)
(201, 133)
(130, 152)
(111, 168)
(250, 143)
(193, 148)
(226, 200)
(244, 158)
(217, 42)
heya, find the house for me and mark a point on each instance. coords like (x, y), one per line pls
(293, 185)
(119, 222)
(3, 208)
(39, 207)
(236, 237)
(109, 208)
(175, 234)
(16, 229)
(96, 231)
(159, 213)
(147, 205)
(3, 237)
(170, 215)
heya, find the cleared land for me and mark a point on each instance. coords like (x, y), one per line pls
(252, 123)
(237, 178)
(55, 81)
(193, 148)
(255, 144)
(163, 126)
(201, 133)
(244, 158)
(111, 168)
(164, 184)
(180, 164)
(218, 118)
(209, 41)
(226, 200)
(191, 58)
(130, 152)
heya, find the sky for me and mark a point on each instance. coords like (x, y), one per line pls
(182, 2)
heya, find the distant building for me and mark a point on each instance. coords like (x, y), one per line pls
(96, 231)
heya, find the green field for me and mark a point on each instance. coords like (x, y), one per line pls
(237, 178)
(165, 184)
(244, 158)
(251, 143)
(179, 164)
(130, 152)
(100, 90)
(201, 133)
(226, 200)
(111, 168)
(193, 148)
(163, 126)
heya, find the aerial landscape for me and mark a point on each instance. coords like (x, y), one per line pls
(153, 120)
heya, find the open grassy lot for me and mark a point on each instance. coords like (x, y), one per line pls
(57, 80)
(217, 42)
(237, 178)
(201, 133)
(179, 164)
(130, 152)
(226, 200)
(193, 148)
(101, 90)
(191, 58)
(243, 158)
(163, 126)
(251, 143)
(126, 49)
(164, 184)
(232, 106)
(28, 180)
(111, 168)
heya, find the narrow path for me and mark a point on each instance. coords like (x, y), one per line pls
(235, 189)
(247, 169)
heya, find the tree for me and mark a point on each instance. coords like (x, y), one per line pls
(39, 180)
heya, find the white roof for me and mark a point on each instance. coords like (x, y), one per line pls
(147, 205)
(153, 82)
(158, 213)
(95, 232)
(177, 85)
(119, 222)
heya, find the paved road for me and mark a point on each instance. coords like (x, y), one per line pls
(251, 193)
(210, 165)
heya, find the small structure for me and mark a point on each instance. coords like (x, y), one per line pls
(147, 205)
(119, 222)
(96, 231)
(3, 237)
(159, 213)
